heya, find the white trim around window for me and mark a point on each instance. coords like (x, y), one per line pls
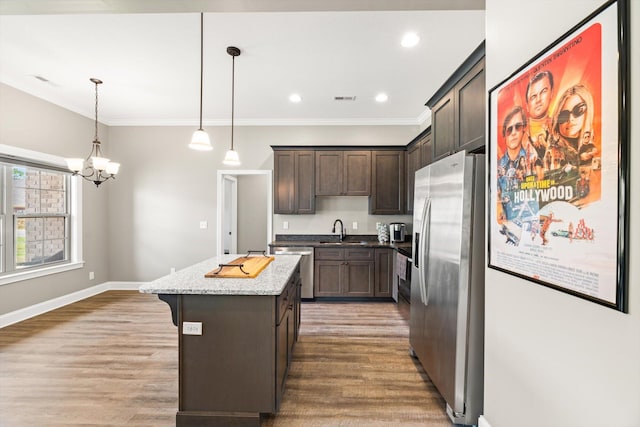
(76, 261)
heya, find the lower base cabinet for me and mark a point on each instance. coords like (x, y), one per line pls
(352, 272)
(237, 369)
(385, 258)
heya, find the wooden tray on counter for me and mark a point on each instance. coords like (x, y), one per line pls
(244, 267)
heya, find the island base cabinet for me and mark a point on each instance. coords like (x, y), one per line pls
(230, 367)
(237, 368)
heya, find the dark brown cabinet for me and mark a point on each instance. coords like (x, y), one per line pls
(342, 173)
(443, 127)
(344, 272)
(387, 182)
(288, 308)
(294, 182)
(458, 109)
(471, 109)
(384, 259)
(418, 156)
(237, 368)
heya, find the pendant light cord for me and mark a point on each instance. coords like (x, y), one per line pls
(201, 62)
(233, 91)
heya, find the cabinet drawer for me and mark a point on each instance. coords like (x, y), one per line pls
(283, 301)
(329, 254)
(358, 254)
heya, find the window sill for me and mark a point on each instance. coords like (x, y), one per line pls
(26, 275)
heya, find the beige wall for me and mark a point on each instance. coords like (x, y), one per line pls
(164, 189)
(30, 123)
(552, 359)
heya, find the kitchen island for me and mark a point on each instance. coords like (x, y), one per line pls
(235, 339)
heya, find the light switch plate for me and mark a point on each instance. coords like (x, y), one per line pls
(203, 224)
(191, 328)
(354, 225)
(285, 225)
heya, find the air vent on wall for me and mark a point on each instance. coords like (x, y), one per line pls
(344, 98)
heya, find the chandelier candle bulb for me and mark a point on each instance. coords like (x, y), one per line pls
(75, 165)
(113, 168)
(100, 163)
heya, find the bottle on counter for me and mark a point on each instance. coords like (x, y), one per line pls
(383, 232)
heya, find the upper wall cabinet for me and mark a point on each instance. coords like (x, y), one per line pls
(418, 156)
(343, 173)
(472, 101)
(387, 182)
(294, 182)
(458, 109)
(443, 125)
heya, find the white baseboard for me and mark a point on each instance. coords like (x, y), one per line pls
(482, 422)
(43, 307)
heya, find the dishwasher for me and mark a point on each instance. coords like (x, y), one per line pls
(306, 266)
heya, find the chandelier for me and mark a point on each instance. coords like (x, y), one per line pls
(95, 168)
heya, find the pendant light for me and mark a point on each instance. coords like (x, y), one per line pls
(232, 158)
(95, 168)
(200, 139)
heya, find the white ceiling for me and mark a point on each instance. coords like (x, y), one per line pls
(150, 62)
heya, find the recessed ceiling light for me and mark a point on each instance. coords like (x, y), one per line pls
(410, 40)
(382, 97)
(295, 98)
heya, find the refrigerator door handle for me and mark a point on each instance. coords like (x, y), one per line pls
(426, 220)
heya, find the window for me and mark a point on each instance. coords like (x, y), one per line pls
(38, 216)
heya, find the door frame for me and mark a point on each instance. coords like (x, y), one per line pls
(232, 199)
(268, 213)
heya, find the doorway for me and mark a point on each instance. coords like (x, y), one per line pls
(229, 214)
(236, 200)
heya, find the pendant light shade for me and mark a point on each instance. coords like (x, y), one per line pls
(95, 168)
(200, 139)
(232, 158)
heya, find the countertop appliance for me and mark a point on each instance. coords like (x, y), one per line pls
(447, 281)
(306, 266)
(397, 230)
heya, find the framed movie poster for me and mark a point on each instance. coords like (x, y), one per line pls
(558, 167)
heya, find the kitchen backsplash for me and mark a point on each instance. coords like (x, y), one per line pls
(349, 209)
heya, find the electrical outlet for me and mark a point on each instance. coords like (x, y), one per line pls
(191, 328)
(92, 275)
(173, 270)
(285, 225)
(354, 225)
(203, 224)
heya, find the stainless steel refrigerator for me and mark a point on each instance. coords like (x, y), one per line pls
(447, 280)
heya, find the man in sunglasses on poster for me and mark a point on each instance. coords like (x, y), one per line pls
(514, 129)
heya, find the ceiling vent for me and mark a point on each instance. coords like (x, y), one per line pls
(344, 98)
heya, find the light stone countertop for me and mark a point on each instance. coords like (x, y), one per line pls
(191, 280)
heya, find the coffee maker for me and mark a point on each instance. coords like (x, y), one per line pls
(397, 232)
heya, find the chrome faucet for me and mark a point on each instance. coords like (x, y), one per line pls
(342, 233)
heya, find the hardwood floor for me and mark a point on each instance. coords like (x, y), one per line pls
(111, 360)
